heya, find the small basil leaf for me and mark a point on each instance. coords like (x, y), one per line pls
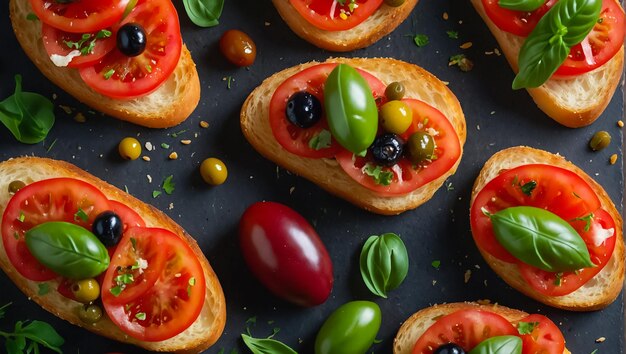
(29, 116)
(67, 249)
(44, 334)
(399, 260)
(540, 238)
(364, 260)
(384, 263)
(204, 13)
(566, 24)
(521, 5)
(499, 345)
(266, 346)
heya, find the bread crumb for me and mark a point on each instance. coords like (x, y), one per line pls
(66, 109)
(434, 282)
(613, 159)
(466, 45)
(171, 206)
(484, 301)
(185, 142)
(620, 123)
(445, 16)
(149, 146)
(80, 118)
(145, 158)
(204, 124)
(267, 23)
(600, 340)
(497, 51)
(468, 274)
(149, 178)
(446, 83)
(173, 156)
(291, 190)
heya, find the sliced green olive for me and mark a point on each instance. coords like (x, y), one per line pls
(394, 91)
(15, 186)
(90, 313)
(600, 140)
(421, 147)
(86, 290)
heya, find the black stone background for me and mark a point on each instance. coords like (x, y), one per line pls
(497, 117)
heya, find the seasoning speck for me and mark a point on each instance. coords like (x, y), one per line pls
(204, 124)
(620, 123)
(613, 159)
(600, 340)
(80, 118)
(146, 158)
(466, 45)
(173, 156)
(148, 146)
(185, 142)
(445, 16)
(468, 274)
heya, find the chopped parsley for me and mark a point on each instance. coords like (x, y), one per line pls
(22, 217)
(32, 17)
(80, 214)
(168, 184)
(559, 279)
(380, 177)
(453, 34)
(528, 187)
(320, 141)
(133, 241)
(87, 42)
(175, 135)
(44, 288)
(436, 264)
(190, 283)
(420, 40)
(165, 146)
(156, 193)
(587, 219)
(526, 327)
(121, 281)
(141, 316)
(461, 61)
(107, 75)
(51, 145)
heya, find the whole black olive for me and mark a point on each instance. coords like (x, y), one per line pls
(387, 149)
(303, 109)
(131, 39)
(449, 348)
(108, 228)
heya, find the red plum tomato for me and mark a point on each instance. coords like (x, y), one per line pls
(285, 253)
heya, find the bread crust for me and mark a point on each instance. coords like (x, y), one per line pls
(553, 97)
(327, 173)
(381, 23)
(167, 106)
(200, 335)
(412, 329)
(601, 290)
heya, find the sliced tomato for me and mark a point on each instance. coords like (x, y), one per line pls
(119, 76)
(600, 241)
(601, 44)
(165, 297)
(519, 23)
(129, 217)
(330, 15)
(407, 177)
(546, 337)
(57, 199)
(56, 43)
(465, 328)
(295, 139)
(79, 16)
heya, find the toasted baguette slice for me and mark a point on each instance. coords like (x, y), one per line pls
(327, 173)
(382, 22)
(573, 102)
(413, 328)
(170, 104)
(602, 289)
(200, 335)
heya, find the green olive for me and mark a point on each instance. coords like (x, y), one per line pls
(90, 313)
(16, 186)
(86, 290)
(130, 148)
(600, 140)
(394, 3)
(421, 147)
(394, 91)
(213, 171)
(396, 116)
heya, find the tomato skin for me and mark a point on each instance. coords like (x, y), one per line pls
(80, 16)
(122, 77)
(546, 338)
(519, 23)
(324, 14)
(350, 329)
(466, 328)
(285, 253)
(32, 205)
(53, 42)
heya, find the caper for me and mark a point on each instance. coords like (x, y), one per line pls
(394, 3)
(86, 290)
(600, 140)
(394, 91)
(90, 313)
(421, 147)
(16, 186)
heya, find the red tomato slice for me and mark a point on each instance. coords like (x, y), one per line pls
(546, 338)
(79, 16)
(166, 297)
(519, 23)
(54, 41)
(129, 217)
(559, 191)
(329, 15)
(406, 178)
(465, 328)
(295, 139)
(119, 76)
(57, 199)
(600, 240)
(601, 44)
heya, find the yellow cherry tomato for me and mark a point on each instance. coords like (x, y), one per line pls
(130, 148)
(86, 290)
(396, 116)
(213, 171)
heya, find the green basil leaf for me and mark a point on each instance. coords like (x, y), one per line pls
(266, 346)
(521, 5)
(15, 345)
(350, 108)
(204, 13)
(540, 238)
(29, 116)
(566, 24)
(499, 345)
(67, 249)
(384, 263)
(44, 334)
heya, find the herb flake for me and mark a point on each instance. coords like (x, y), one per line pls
(421, 40)
(168, 184)
(526, 327)
(380, 177)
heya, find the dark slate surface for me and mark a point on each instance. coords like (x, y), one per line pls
(496, 117)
